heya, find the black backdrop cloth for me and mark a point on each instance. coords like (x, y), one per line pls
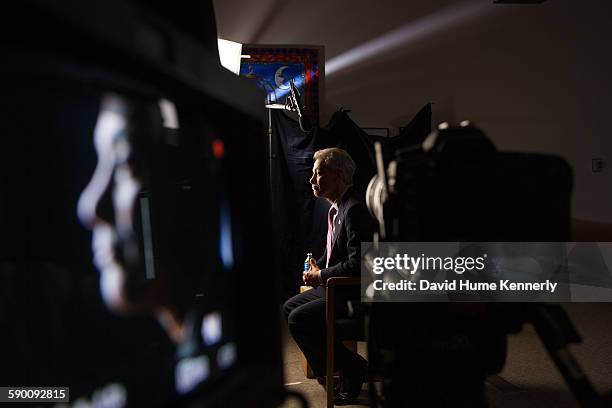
(300, 218)
(412, 134)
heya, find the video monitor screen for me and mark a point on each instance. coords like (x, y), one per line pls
(162, 310)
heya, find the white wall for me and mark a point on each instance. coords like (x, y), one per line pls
(535, 78)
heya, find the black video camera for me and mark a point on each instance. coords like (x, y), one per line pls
(456, 187)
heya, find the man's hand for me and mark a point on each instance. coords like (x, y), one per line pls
(313, 276)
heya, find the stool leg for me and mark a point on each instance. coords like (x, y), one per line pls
(306, 368)
(329, 314)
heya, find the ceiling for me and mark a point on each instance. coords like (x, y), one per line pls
(342, 25)
(338, 25)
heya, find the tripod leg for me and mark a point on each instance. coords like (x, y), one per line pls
(556, 332)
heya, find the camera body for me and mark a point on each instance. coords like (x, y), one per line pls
(456, 187)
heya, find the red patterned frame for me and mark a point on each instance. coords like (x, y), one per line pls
(314, 67)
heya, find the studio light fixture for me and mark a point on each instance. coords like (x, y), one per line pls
(230, 53)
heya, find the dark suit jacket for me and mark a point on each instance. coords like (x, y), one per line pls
(353, 225)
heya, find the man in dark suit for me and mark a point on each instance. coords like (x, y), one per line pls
(349, 224)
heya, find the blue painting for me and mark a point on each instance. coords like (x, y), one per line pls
(274, 77)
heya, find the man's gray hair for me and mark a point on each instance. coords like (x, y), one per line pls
(338, 160)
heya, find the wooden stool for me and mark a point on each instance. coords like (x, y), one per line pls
(351, 345)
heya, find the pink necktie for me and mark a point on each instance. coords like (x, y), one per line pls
(330, 233)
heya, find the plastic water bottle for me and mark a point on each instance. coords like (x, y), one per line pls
(307, 261)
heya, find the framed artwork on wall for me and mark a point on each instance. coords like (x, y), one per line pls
(273, 67)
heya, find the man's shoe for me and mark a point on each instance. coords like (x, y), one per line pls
(350, 385)
(349, 395)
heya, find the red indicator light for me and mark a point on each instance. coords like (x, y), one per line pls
(218, 148)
